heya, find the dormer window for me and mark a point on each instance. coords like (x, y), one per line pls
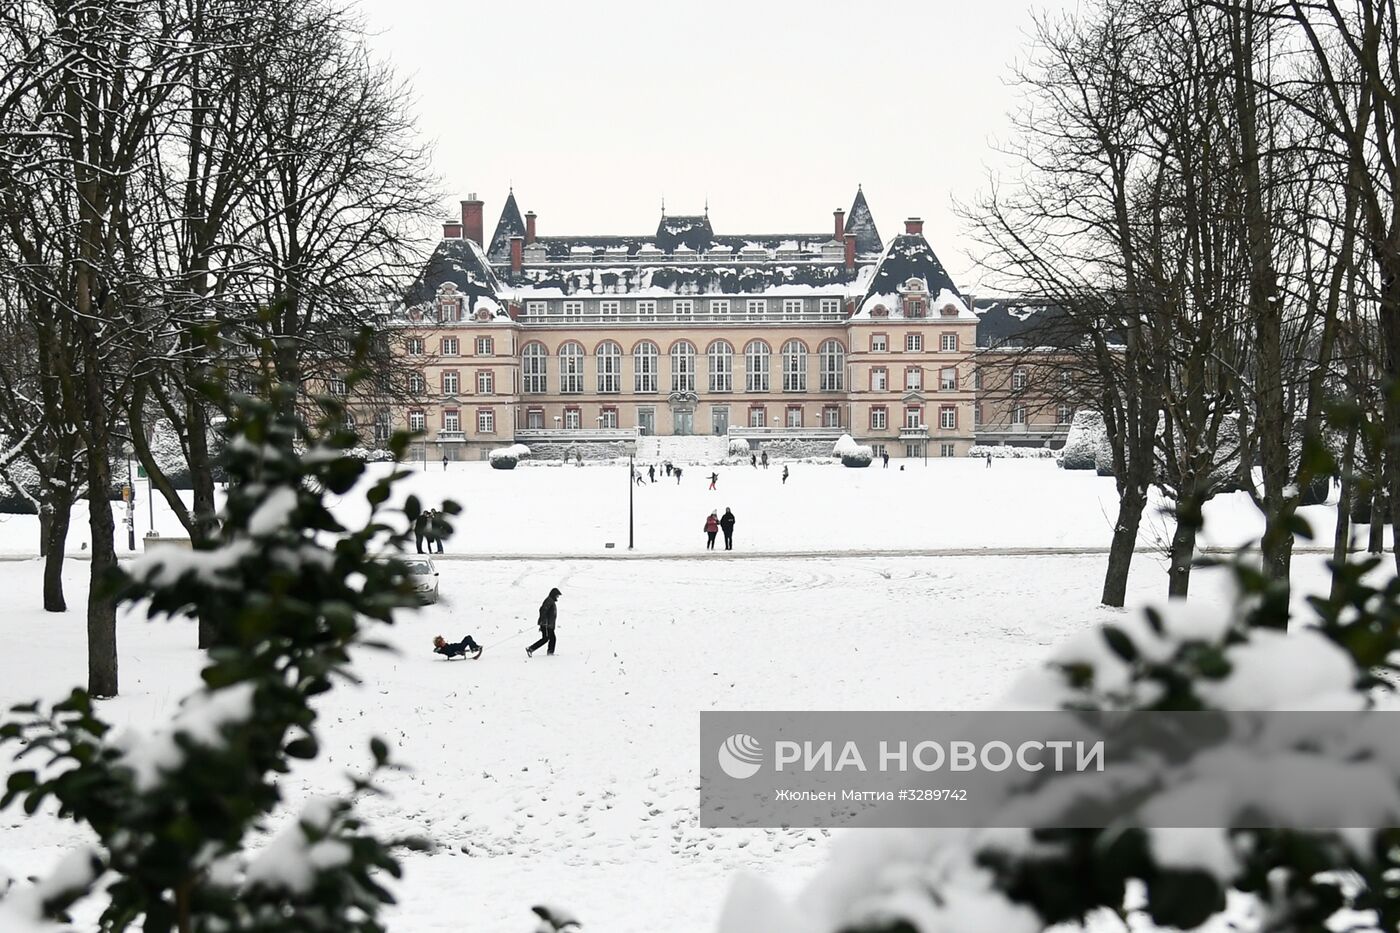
(879, 311)
(913, 307)
(950, 310)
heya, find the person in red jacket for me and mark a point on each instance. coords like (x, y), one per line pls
(711, 529)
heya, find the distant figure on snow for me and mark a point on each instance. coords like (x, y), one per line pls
(458, 649)
(714, 478)
(885, 457)
(726, 525)
(549, 614)
(711, 529)
(637, 477)
(678, 475)
(667, 464)
(989, 461)
(651, 472)
(753, 461)
(420, 531)
(785, 474)
(444, 462)
(764, 459)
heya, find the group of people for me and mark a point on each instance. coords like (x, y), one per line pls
(715, 524)
(430, 527)
(549, 616)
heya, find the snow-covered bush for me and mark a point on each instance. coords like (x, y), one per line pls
(851, 453)
(1182, 657)
(370, 454)
(18, 498)
(1082, 442)
(505, 458)
(1008, 452)
(739, 447)
(1103, 456)
(175, 812)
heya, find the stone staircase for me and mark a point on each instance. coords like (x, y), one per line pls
(696, 448)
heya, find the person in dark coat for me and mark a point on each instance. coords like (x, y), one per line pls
(785, 474)
(885, 457)
(753, 461)
(726, 524)
(437, 530)
(667, 464)
(458, 649)
(711, 529)
(420, 530)
(764, 459)
(651, 472)
(444, 461)
(677, 471)
(549, 614)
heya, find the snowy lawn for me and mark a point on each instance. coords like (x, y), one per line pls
(549, 509)
(571, 780)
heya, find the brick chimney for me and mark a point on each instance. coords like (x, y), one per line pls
(517, 253)
(472, 219)
(529, 227)
(850, 239)
(451, 230)
(914, 226)
(840, 223)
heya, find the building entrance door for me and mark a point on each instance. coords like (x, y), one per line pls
(683, 422)
(719, 419)
(646, 421)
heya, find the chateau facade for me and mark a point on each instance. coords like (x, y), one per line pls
(783, 339)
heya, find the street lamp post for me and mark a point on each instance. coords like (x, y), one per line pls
(130, 509)
(631, 491)
(924, 428)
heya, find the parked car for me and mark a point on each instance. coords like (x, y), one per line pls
(422, 577)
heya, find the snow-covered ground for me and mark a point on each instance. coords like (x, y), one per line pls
(572, 780)
(539, 509)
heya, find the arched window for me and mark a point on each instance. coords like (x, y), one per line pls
(721, 363)
(571, 368)
(534, 366)
(794, 366)
(644, 357)
(609, 357)
(683, 366)
(756, 366)
(833, 366)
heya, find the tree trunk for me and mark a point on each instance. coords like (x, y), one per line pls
(55, 533)
(1183, 548)
(1120, 552)
(1341, 537)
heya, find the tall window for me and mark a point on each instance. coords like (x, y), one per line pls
(534, 419)
(794, 416)
(913, 343)
(913, 417)
(609, 356)
(571, 368)
(1066, 378)
(1063, 414)
(485, 346)
(573, 418)
(833, 366)
(879, 379)
(948, 378)
(1018, 415)
(758, 417)
(485, 421)
(947, 417)
(644, 365)
(831, 416)
(609, 418)
(794, 367)
(449, 346)
(879, 343)
(485, 382)
(417, 422)
(977, 378)
(1018, 378)
(756, 367)
(913, 378)
(336, 385)
(533, 367)
(451, 420)
(948, 343)
(721, 363)
(451, 382)
(879, 418)
(413, 346)
(683, 366)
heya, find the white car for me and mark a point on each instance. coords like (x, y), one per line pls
(422, 577)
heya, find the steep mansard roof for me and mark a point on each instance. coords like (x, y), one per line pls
(862, 223)
(508, 226)
(1027, 322)
(672, 278)
(908, 257)
(463, 264)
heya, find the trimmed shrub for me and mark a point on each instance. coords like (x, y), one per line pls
(1082, 442)
(505, 458)
(852, 454)
(739, 447)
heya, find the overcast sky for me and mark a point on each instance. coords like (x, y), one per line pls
(774, 111)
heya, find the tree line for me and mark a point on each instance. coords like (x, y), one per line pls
(190, 191)
(1206, 190)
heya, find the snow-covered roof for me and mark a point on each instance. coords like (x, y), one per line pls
(907, 264)
(461, 263)
(1026, 322)
(508, 226)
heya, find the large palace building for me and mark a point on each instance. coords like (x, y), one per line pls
(786, 339)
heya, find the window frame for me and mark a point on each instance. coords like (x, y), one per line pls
(607, 364)
(646, 379)
(794, 356)
(534, 368)
(721, 380)
(571, 367)
(879, 418)
(682, 354)
(913, 342)
(831, 365)
(758, 378)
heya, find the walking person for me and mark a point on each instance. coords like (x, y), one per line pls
(439, 528)
(549, 615)
(726, 525)
(714, 478)
(989, 461)
(785, 474)
(458, 649)
(753, 461)
(651, 472)
(711, 529)
(420, 531)
(444, 463)
(637, 477)
(764, 459)
(667, 465)
(678, 475)
(884, 456)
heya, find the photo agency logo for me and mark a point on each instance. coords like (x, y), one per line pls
(1047, 770)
